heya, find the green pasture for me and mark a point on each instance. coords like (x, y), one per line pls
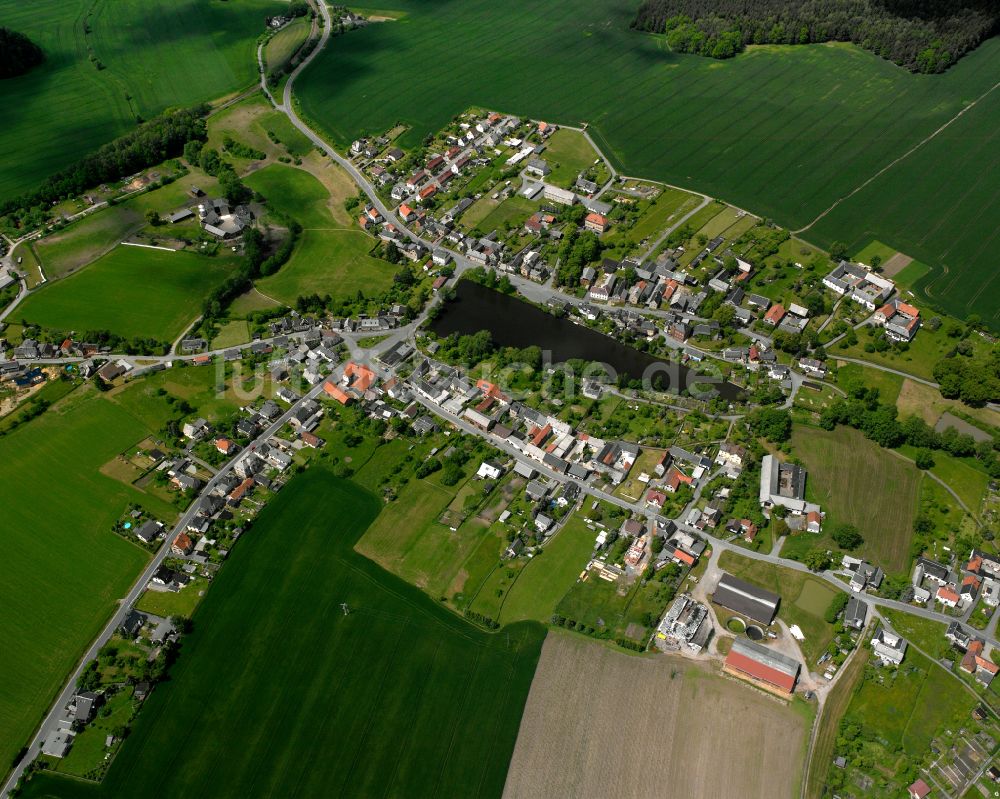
(857, 482)
(283, 45)
(568, 154)
(549, 575)
(131, 291)
(334, 262)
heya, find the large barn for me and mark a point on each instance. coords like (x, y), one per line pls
(746, 599)
(764, 667)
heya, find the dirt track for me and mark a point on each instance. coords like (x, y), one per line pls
(602, 723)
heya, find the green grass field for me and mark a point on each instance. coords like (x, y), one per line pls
(156, 54)
(63, 568)
(332, 256)
(131, 291)
(782, 131)
(171, 603)
(334, 262)
(857, 482)
(913, 704)
(278, 693)
(298, 194)
(284, 43)
(547, 577)
(567, 153)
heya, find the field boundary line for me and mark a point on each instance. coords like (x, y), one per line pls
(902, 157)
(147, 246)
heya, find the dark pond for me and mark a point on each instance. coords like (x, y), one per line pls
(515, 323)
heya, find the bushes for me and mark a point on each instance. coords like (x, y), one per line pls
(773, 424)
(482, 620)
(837, 604)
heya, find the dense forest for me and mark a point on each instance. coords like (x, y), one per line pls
(151, 143)
(921, 35)
(18, 54)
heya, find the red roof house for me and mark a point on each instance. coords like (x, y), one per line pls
(775, 314)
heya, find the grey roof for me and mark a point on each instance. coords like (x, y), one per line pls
(769, 657)
(855, 613)
(746, 599)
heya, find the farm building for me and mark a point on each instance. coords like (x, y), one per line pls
(765, 668)
(746, 599)
(784, 484)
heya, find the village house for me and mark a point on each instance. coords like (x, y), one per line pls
(860, 284)
(888, 647)
(182, 545)
(595, 223)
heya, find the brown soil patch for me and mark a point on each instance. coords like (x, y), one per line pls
(896, 264)
(590, 726)
(927, 403)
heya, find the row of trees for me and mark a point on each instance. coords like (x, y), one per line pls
(879, 423)
(919, 35)
(151, 143)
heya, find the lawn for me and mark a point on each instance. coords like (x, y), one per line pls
(831, 116)
(298, 194)
(155, 54)
(511, 213)
(68, 250)
(672, 204)
(131, 291)
(408, 540)
(887, 383)
(857, 482)
(804, 599)
(568, 154)
(174, 603)
(398, 697)
(199, 386)
(231, 334)
(964, 476)
(334, 262)
(63, 568)
(544, 580)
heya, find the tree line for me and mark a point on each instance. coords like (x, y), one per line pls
(18, 54)
(925, 36)
(151, 143)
